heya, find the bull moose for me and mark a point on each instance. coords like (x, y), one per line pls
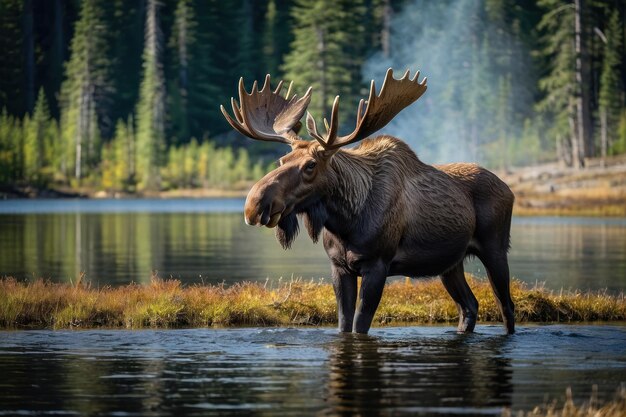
(381, 210)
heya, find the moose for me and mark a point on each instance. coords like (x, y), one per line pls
(381, 210)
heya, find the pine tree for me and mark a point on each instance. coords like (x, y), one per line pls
(611, 88)
(37, 141)
(122, 152)
(276, 35)
(583, 78)
(126, 22)
(205, 77)
(85, 91)
(559, 84)
(11, 149)
(247, 53)
(324, 36)
(29, 55)
(151, 106)
(183, 36)
(12, 80)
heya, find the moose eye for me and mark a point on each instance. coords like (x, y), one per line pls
(310, 166)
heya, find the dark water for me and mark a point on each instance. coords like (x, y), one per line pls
(119, 241)
(411, 370)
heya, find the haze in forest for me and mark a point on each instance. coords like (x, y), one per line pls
(470, 65)
(124, 96)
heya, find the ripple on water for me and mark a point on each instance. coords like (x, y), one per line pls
(406, 370)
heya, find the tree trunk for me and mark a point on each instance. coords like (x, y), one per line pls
(604, 136)
(583, 116)
(321, 47)
(576, 160)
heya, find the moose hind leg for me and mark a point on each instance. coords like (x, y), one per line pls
(454, 282)
(497, 266)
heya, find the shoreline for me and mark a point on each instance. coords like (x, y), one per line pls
(170, 304)
(542, 190)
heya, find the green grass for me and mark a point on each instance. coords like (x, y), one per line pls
(165, 304)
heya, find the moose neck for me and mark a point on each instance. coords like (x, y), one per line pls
(350, 182)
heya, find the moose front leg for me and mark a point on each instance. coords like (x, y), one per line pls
(372, 285)
(345, 286)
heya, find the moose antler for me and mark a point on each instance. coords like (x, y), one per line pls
(394, 96)
(265, 114)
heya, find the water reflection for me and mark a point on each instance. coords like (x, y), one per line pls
(417, 376)
(204, 241)
(412, 370)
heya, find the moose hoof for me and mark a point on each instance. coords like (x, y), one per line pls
(466, 324)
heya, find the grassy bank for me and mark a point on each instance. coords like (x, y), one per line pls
(43, 304)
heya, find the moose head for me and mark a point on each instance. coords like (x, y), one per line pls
(303, 175)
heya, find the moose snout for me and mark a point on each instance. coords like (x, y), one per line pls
(263, 207)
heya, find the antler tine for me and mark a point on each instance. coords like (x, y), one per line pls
(265, 114)
(311, 126)
(236, 109)
(266, 83)
(395, 95)
(278, 87)
(242, 90)
(331, 128)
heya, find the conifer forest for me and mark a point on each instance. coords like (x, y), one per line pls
(124, 95)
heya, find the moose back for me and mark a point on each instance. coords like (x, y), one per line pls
(380, 210)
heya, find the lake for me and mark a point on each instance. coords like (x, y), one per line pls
(305, 371)
(206, 240)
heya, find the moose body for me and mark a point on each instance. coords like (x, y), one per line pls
(381, 210)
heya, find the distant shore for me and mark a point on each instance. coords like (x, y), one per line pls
(553, 190)
(168, 304)
(542, 190)
(14, 192)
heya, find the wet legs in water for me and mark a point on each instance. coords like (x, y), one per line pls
(467, 305)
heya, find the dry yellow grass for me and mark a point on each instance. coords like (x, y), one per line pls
(591, 408)
(43, 304)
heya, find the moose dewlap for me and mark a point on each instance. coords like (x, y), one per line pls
(379, 209)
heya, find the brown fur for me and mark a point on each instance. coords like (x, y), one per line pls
(383, 212)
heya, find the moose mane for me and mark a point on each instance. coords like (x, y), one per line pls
(352, 177)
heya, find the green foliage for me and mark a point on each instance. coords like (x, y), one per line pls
(12, 62)
(611, 101)
(205, 166)
(151, 106)
(488, 99)
(39, 136)
(84, 92)
(619, 146)
(118, 160)
(558, 85)
(325, 34)
(11, 150)
(277, 35)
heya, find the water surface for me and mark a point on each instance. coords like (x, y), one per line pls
(305, 371)
(206, 240)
